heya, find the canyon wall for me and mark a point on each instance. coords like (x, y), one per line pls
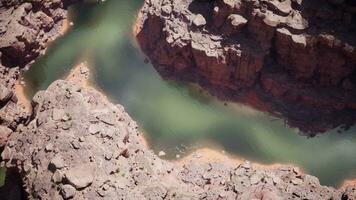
(298, 57)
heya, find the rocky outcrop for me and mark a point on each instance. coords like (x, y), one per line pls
(80, 146)
(297, 56)
(26, 29)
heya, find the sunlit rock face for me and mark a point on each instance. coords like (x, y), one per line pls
(298, 56)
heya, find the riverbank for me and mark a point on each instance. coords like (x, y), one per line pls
(81, 146)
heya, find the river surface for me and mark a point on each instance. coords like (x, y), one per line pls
(179, 118)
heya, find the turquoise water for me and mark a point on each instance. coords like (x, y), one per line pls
(178, 118)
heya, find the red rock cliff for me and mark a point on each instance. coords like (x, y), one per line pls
(298, 56)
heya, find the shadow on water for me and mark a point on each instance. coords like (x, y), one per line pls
(176, 117)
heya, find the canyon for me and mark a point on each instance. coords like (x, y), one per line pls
(75, 144)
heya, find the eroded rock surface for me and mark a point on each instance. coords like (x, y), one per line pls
(26, 29)
(80, 146)
(298, 56)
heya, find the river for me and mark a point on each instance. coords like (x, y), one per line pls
(178, 118)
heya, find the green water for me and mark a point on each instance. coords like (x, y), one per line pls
(177, 118)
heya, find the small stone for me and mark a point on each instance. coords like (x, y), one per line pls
(296, 181)
(27, 168)
(11, 143)
(311, 180)
(177, 156)
(276, 180)
(49, 147)
(229, 4)
(216, 10)
(161, 153)
(108, 155)
(237, 21)
(101, 193)
(222, 194)
(57, 176)
(57, 162)
(297, 21)
(68, 191)
(75, 144)
(84, 70)
(167, 9)
(66, 125)
(106, 187)
(66, 117)
(80, 177)
(81, 139)
(94, 129)
(199, 20)
(281, 7)
(6, 153)
(108, 134)
(103, 190)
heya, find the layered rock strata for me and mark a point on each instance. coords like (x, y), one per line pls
(297, 56)
(80, 146)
